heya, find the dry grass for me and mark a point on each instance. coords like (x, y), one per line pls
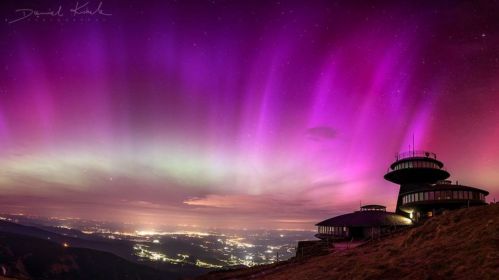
(462, 244)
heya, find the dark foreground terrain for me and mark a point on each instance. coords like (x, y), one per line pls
(24, 257)
(462, 244)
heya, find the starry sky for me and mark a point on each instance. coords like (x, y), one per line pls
(240, 114)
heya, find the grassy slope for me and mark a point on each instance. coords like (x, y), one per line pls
(462, 244)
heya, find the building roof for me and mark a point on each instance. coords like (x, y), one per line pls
(366, 219)
(373, 206)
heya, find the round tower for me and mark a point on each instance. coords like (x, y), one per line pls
(424, 190)
(414, 170)
(416, 167)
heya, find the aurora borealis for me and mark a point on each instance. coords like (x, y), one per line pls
(240, 113)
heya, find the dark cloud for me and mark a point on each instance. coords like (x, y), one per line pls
(319, 133)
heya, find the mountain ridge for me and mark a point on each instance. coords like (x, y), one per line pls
(26, 257)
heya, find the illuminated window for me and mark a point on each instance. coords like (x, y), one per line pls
(421, 196)
(429, 214)
(426, 196)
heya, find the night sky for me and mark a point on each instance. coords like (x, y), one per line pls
(245, 114)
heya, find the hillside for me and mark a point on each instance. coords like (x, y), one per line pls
(24, 257)
(77, 239)
(120, 248)
(463, 244)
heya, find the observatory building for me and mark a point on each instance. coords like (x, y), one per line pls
(370, 222)
(424, 192)
(424, 188)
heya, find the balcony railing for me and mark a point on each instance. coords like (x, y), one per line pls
(411, 154)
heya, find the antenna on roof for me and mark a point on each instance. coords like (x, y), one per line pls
(413, 147)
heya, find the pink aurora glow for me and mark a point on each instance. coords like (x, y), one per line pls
(241, 113)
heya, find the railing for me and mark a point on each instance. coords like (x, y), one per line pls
(415, 165)
(410, 154)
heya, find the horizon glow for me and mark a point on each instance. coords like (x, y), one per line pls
(241, 114)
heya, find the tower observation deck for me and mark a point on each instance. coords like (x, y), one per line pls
(416, 167)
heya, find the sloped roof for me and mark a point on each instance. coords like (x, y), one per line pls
(366, 219)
